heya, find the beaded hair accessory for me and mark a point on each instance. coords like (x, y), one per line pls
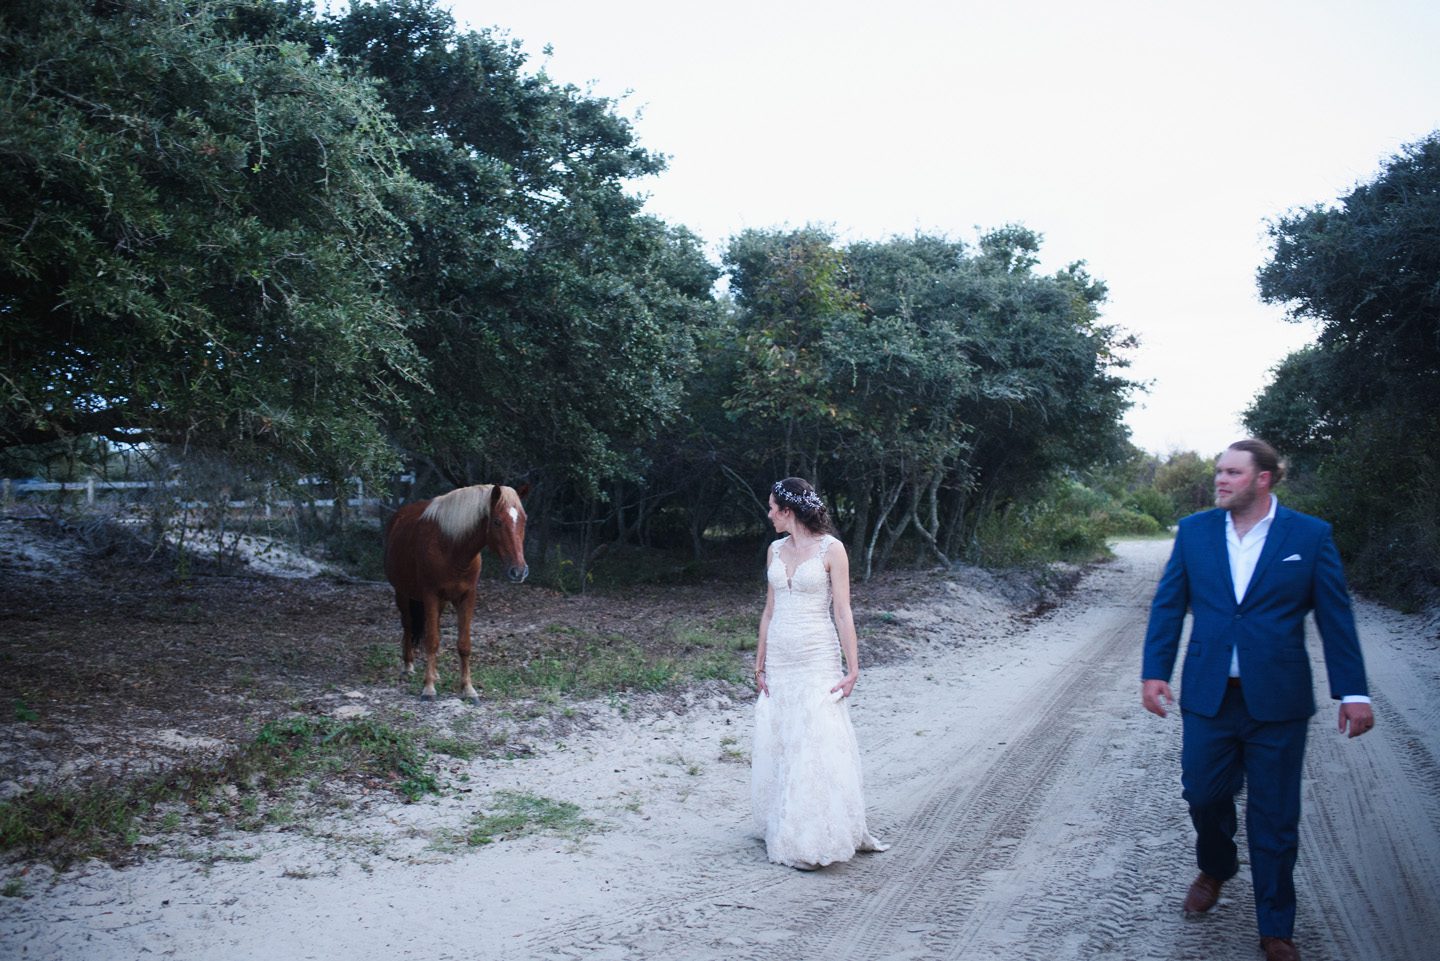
(807, 499)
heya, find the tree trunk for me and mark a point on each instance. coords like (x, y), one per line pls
(861, 514)
(929, 532)
(888, 505)
(894, 534)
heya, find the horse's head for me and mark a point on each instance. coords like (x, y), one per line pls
(507, 529)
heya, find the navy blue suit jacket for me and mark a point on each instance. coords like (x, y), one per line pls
(1298, 571)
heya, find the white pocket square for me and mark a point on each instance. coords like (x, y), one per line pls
(1292, 557)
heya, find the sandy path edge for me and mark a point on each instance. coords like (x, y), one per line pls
(1033, 807)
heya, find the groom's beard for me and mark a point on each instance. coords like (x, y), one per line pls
(1239, 499)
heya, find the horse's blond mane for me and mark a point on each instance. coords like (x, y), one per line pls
(462, 510)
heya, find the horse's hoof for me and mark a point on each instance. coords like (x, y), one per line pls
(473, 699)
(427, 697)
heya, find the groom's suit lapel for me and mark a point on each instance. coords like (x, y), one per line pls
(1220, 556)
(1280, 529)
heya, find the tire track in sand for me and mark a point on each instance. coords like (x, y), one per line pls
(1053, 828)
(1370, 834)
(969, 848)
(972, 813)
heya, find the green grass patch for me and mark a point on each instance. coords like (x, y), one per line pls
(296, 746)
(517, 813)
(730, 751)
(380, 663)
(575, 662)
(218, 856)
(106, 819)
(70, 824)
(594, 666)
(714, 650)
(582, 664)
(462, 748)
(736, 633)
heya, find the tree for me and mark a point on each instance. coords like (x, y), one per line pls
(1188, 480)
(920, 384)
(913, 380)
(198, 228)
(1368, 271)
(1294, 412)
(556, 317)
(1359, 407)
(1051, 395)
(792, 296)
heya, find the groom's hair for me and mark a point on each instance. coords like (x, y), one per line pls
(1266, 457)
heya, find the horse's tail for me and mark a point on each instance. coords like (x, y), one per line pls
(417, 620)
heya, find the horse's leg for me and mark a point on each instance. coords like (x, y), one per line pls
(432, 646)
(464, 612)
(417, 633)
(407, 628)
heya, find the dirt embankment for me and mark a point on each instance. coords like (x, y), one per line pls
(1033, 808)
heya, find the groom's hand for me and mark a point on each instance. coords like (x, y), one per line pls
(1358, 717)
(1151, 693)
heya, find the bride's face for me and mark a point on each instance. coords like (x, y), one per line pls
(783, 520)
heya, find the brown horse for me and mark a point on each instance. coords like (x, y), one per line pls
(432, 556)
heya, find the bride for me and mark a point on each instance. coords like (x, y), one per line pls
(805, 784)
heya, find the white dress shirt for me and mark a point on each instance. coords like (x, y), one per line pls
(1244, 554)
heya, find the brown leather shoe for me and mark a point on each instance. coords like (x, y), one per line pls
(1279, 949)
(1203, 894)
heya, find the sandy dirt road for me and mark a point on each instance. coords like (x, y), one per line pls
(1033, 809)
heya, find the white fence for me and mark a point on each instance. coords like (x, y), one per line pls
(11, 489)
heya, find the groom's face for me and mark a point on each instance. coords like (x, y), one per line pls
(1237, 483)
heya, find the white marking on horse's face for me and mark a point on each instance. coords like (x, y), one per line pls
(514, 516)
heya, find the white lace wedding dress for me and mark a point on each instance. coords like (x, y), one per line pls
(805, 784)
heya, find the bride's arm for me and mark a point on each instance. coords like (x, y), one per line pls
(839, 564)
(760, 684)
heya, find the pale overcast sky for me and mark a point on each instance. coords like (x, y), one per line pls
(1150, 139)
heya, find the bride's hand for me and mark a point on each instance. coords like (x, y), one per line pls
(847, 684)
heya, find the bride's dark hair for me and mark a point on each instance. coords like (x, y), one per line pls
(795, 494)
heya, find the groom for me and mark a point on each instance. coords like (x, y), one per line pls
(1249, 572)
